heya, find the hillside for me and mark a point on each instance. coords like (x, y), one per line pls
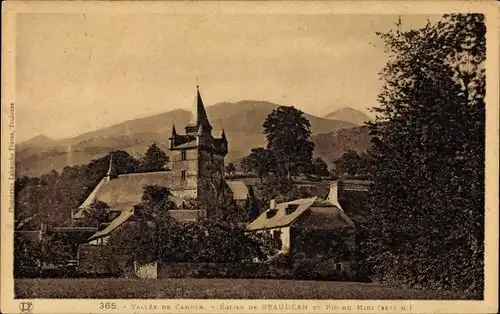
(330, 146)
(242, 122)
(348, 114)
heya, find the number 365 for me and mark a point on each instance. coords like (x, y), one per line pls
(107, 306)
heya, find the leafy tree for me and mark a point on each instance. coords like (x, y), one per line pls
(320, 167)
(349, 163)
(122, 161)
(334, 174)
(230, 169)
(148, 234)
(26, 256)
(155, 159)
(260, 161)
(287, 132)
(426, 228)
(251, 205)
(95, 215)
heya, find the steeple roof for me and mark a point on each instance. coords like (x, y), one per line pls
(111, 171)
(201, 114)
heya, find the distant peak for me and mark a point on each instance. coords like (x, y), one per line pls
(41, 138)
(348, 114)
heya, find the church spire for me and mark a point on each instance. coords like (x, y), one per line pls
(174, 133)
(111, 171)
(201, 114)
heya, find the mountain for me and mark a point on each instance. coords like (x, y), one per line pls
(348, 114)
(242, 122)
(39, 140)
(330, 146)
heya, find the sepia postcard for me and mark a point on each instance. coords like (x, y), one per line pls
(249, 157)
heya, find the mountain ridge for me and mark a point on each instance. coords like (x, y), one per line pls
(348, 114)
(242, 122)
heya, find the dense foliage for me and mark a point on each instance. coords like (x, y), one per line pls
(426, 228)
(287, 132)
(352, 163)
(155, 159)
(260, 161)
(154, 235)
(51, 197)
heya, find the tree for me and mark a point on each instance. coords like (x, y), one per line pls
(155, 159)
(287, 132)
(147, 235)
(123, 162)
(230, 169)
(349, 163)
(320, 168)
(260, 161)
(251, 205)
(26, 256)
(426, 228)
(95, 215)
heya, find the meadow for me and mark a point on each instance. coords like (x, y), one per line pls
(188, 288)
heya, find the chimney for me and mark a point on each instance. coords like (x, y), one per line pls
(272, 204)
(333, 195)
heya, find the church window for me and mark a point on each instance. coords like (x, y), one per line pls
(183, 155)
(183, 176)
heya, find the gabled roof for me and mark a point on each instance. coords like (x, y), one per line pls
(325, 218)
(281, 219)
(239, 189)
(126, 190)
(113, 225)
(311, 213)
(180, 215)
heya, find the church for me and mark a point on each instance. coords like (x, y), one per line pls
(194, 175)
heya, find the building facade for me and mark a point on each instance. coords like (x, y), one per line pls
(194, 175)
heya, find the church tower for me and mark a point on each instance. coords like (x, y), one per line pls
(197, 159)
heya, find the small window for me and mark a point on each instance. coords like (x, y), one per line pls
(291, 208)
(276, 234)
(183, 155)
(183, 175)
(338, 266)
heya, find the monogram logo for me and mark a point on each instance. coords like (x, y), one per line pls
(26, 307)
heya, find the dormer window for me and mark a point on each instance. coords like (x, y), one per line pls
(291, 208)
(270, 213)
(183, 155)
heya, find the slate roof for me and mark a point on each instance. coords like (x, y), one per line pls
(124, 216)
(320, 214)
(356, 185)
(185, 215)
(126, 190)
(281, 219)
(239, 189)
(325, 218)
(190, 144)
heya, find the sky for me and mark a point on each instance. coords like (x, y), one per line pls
(80, 72)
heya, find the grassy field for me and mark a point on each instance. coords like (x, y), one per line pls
(215, 289)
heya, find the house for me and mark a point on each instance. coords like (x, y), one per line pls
(240, 190)
(195, 173)
(303, 226)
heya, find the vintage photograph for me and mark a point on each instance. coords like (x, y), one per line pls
(166, 155)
